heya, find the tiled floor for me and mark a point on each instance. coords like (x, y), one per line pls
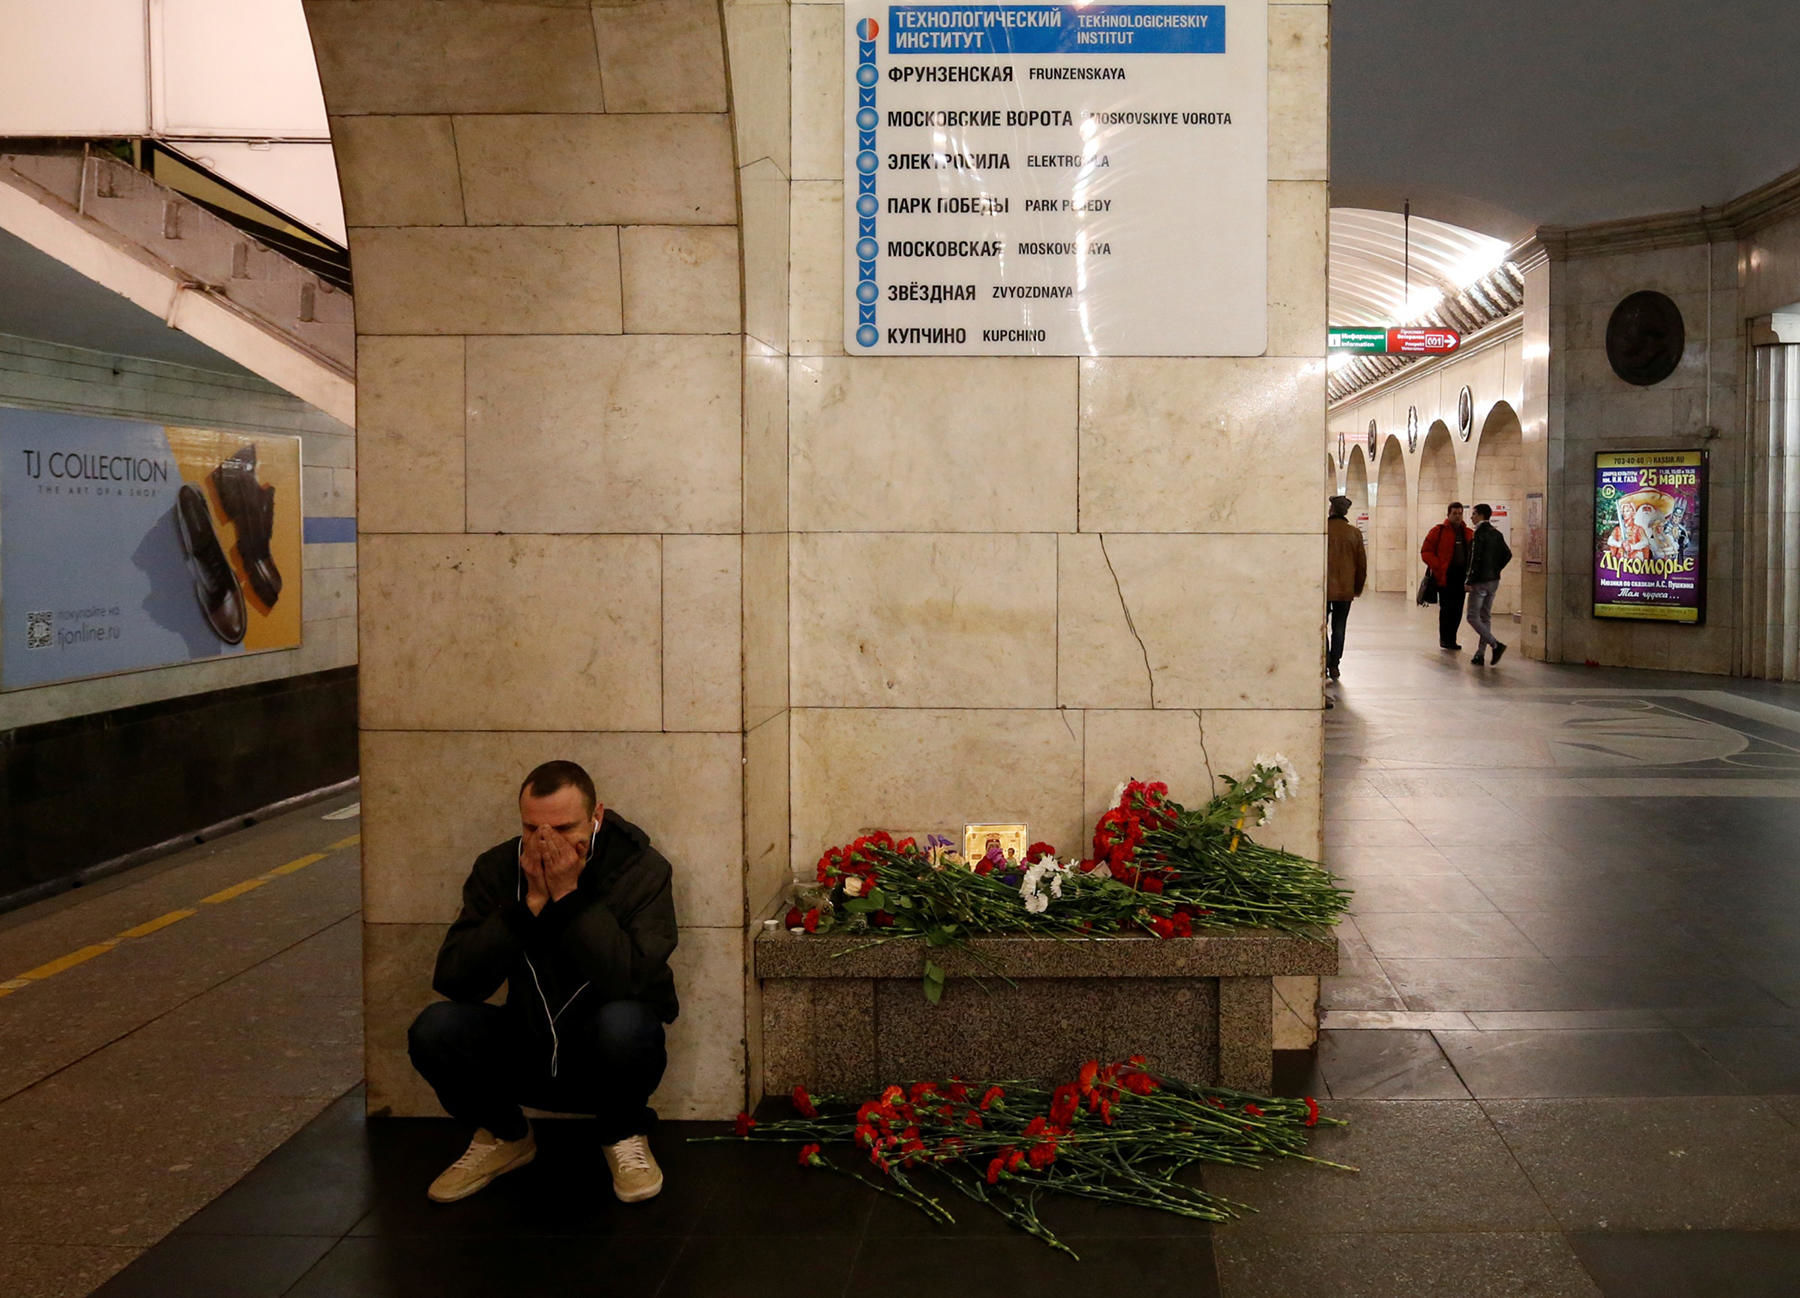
(1567, 1036)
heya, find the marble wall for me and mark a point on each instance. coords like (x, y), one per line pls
(625, 498)
(1014, 582)
(544, 227)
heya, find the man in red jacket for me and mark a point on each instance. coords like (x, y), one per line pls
(1446, 553)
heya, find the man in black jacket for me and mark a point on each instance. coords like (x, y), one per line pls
(1488, 556)
(576, 917)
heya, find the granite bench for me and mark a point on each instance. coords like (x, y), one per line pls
(836, 1018)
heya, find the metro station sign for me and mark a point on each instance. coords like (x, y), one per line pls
(1394, 342)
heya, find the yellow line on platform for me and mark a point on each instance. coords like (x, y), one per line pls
(155, 925)
(86, 953)
(235, 890)
(69, 961)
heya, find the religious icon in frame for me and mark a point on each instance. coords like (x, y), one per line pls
(1003, 845)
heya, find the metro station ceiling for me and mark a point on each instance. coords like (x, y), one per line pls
(1505, 117)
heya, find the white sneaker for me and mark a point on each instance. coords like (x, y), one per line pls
(635, 1175)
(486, 1157)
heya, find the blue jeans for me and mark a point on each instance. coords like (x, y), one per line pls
(1481, 608)
(484, 1063)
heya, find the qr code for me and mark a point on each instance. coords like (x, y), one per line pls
(37, 631)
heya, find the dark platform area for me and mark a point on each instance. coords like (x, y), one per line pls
(76, 793)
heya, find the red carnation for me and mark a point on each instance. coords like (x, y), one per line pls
(892, 1095)
(807, 1154)
(1063, 1105)
(1037, 852)
(993, 1093)
(1150, 883)
(920, 1090)
(744, 1123)
(803, 1104)
(1043, 1155)
(995, 1167)
(1253, 1111)
(1013, 1158)
(1086, 1076)
(973, 1120)
(1312, 1112)
(1162, 926)
(811, 922)
(881, 919)
(794, 918)
(1140, 1083)
(906, 845)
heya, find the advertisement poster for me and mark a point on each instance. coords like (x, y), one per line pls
(1649, 536)
(1056, 179)
(126, 545)
(1502, 519)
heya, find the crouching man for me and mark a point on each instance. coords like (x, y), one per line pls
(575, 916)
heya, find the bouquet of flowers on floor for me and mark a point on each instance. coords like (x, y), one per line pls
(1117, 1132)
(1156, 867)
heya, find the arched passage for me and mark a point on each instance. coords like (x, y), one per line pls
(1356, 486)
(1390, 519)
(1499, 470)
(1331, 474)
(1437, 479)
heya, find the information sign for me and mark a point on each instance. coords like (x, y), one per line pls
(1056, 179)
(1650, 535)
(1393, 342)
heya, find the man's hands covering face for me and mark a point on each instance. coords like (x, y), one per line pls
(552, 868)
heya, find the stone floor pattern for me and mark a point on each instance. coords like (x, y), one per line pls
(1567, 1035)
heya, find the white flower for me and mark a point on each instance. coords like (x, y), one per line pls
(1117, 793)
(853, 885)
(1037, 903)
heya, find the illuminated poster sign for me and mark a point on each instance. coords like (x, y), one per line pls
(1650, 536)
(1056, 179)
(126, 545)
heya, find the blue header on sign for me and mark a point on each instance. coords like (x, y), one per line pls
(1056, 29)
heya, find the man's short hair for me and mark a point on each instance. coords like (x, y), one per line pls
(1483, 512)
(552, 777)
(1455, 504)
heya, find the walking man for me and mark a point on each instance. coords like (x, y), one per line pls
(1346, 568)
(1488, 556)
(575, 916)
(1446, 553)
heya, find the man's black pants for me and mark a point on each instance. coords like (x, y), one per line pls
(1450, 613)
(1340, 618)
(484, 1064)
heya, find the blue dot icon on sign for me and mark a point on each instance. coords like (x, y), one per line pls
(866, 292)
(866, 75)
(867, 205)
(868, 119)
(866, 162)
(867, 249)
(868, 336)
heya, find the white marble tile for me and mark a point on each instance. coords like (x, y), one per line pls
(1101, 662)
(910, 620)
(818, 91)
(627, 434)
(680, 279)
(661, 56)
(1213, 630)
(499, 273)
(767, 867)
(409, 405)
(816, 301)
(702, 632)
(705, 1079)
(765, 442)
(765, 195)
(1201, 445)
(590, 169)
(859, 769)
(454, 56)
(1299, 83)
(756, 38)
(932, 445)
(765, 626)
(1297, 237)
(684, 791)
(511, 632)
(397, 170)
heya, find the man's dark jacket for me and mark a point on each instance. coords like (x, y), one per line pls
(1488, 554)
(608, 940)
